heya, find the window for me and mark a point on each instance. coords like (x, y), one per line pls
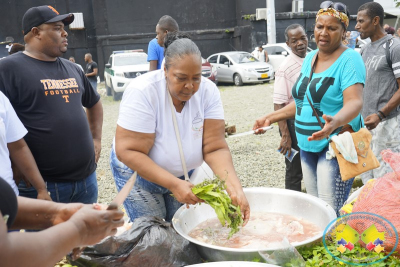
(270, 50)
(213, 59)
(223, 59)
(278, 50)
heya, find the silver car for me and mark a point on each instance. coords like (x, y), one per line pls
(240, 67)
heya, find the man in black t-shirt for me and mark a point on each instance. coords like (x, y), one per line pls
(91, 70)
(47, 93)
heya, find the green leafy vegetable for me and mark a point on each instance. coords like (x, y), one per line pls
(212, 191)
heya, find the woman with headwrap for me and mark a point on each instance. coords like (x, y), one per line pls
(332, 77)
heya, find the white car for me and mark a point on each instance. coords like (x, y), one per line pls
(122, 67)
(240, 67)
(277, 53)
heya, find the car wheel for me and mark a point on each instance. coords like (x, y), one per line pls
(116, 96)
(108, 88)
(237, 80)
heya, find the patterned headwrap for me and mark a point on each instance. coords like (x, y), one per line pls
(342, 17)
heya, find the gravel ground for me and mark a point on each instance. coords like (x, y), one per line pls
(255, 158)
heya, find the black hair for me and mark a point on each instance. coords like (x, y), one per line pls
(292, 27)
(373, 10)
(178, 45)
(167, 23)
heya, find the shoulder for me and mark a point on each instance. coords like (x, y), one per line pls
(68, 63)
(291, 62)
(12, 60)
(149, 83)
(350, 55)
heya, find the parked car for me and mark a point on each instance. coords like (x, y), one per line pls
(240, 67)
(122, 67)
(209, 71)
(277, 53)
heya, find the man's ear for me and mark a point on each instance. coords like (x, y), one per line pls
(376, 21)
(35, 31)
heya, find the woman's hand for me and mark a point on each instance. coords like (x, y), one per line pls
(261, 122)
(94, 225)
(331, 124)
(239, 199)
(183, 193)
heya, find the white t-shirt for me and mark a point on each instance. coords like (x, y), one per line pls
(145, 108)
(11, 130)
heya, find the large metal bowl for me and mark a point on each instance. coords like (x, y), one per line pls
(261, 200)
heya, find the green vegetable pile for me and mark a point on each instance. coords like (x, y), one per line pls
(318, 256)
(212, 191)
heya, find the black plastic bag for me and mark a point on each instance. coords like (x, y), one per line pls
(150, 242)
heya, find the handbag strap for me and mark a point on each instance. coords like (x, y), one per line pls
(309, 101)
(178, 137)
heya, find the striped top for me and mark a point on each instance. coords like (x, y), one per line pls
(285, 78)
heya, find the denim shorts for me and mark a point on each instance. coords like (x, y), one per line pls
(322, 178)
(146, 198)
(83, 191)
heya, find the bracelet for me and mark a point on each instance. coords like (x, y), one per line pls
(379, 115)
(383, 114)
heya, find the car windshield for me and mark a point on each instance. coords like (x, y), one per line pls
(242, 58)
(127, 60)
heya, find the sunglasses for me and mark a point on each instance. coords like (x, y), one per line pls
(335, 5)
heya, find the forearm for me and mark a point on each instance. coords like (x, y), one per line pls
(349, 111)
(393, 103)
(95, 119)
(220, 161)
(153, 65)
(288, 112)
(147, 168)
(23, 159)
(283, 123)
(44, 248)
(37, 214)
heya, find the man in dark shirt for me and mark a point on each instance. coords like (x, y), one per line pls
(91, 70)
(47, 93)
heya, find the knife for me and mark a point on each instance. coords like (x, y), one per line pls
(251, 132)
(123, 194)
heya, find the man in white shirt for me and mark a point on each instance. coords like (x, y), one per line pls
(285, 78)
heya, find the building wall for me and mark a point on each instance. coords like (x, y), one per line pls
(125, 24)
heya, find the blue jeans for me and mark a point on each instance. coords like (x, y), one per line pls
(322, 178)
(83, 191)
(94, 84)
(146, 198)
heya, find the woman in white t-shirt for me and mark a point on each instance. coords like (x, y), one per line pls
(12, 145)
(145, 139)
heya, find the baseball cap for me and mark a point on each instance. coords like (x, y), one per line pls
(36, 16)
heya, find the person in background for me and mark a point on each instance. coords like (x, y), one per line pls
(381, 94)
(398, 32)
(13, 145)
(145, 139)
(66, 226)
(390, 30)
(285, 78)
(15, 47)
(91, 70)
(261, 54)
(72, 59)
(47, 92)
(332, 78)
(156, 46)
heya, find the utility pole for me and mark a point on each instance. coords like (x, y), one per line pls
(271, 28)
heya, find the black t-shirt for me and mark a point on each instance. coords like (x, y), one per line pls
(48, 99)
(8, 203)
(90, 68)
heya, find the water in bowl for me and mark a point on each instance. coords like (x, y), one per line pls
(264, 230)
